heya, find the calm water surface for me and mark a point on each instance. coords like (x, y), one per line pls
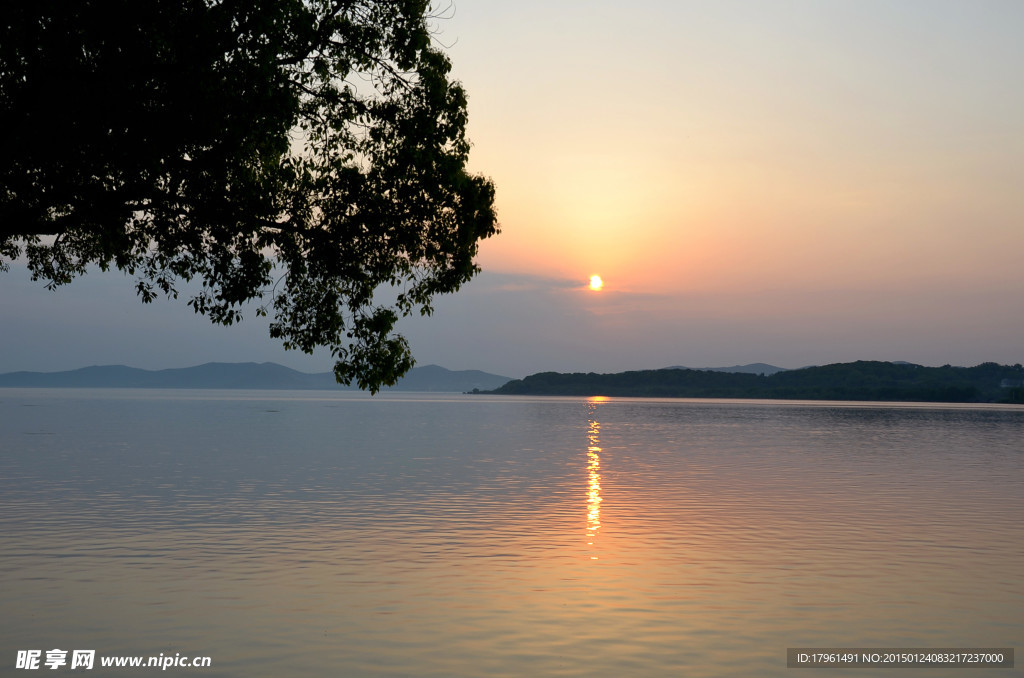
(316, 533)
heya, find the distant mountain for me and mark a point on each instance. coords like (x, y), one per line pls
(752, 368)
(861, 380)
(436, 378)
(242, 376)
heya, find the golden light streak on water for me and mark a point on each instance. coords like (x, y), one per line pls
(593, 479)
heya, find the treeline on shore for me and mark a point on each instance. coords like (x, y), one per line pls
(861, 380)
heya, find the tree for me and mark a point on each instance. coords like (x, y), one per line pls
(306, 154)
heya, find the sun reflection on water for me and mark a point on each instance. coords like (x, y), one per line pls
(593, 476)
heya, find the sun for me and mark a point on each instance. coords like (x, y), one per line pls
(596, 283)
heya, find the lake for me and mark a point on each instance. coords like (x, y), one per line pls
(286, 533)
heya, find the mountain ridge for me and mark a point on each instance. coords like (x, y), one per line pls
(752, 368)
(245, 375)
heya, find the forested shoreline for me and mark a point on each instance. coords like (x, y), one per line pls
(861, 380)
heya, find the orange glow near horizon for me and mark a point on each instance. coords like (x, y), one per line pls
(761, 189)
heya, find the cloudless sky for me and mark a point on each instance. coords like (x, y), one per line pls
(792, 182)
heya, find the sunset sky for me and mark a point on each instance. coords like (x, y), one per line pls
(795, 182)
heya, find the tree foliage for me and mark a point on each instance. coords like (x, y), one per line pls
(307, 154)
